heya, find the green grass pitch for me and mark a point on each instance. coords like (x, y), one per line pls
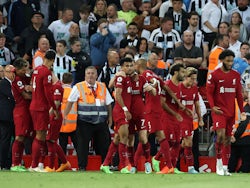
(117, 180)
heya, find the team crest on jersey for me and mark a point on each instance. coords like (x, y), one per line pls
(119, 79)
(49, 79)
(137, 83)
(57, 92)
(20, 84)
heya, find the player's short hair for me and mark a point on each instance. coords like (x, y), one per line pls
(166, 19)
(63, 42)
(233, 26)
(176, 67)
(102, 20)
(125, 59)
(142, 63)
(19, 63)
(157, 50)
(67, 78)
(50, 54)
(2, 35)
(225, 54)
(190, 71)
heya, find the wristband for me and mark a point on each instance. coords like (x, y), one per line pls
(125, 109)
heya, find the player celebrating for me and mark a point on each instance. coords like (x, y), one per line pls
(189, 98)
(223, 86)
(171, 126)
(54, 130)
(42, 101)
(22, 119)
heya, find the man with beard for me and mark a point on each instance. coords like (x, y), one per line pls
(223, 86)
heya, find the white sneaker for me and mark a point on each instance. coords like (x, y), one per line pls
(148, 168)
(219, 169)
(226, 173)
(36, 169)
(133, 170)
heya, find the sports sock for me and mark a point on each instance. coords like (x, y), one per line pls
(111, 153)
(189, 156)
(131, 153)
(146, 149)
(138, 153)
(51, 154)
(17, 152)
(226, 151)
(164, 149)
(218, 147)
(60, 153)
(174, 153)
(123, 155)
(37, 149)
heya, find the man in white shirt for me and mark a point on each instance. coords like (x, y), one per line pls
(234, 43)
(60, 28)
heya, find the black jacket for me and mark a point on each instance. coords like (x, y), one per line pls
(7, 101)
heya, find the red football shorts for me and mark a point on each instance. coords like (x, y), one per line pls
(40, 120)
(172, 130)
(187, 128)
(54, 128)
(139, 123)
(154, 122)
(22, 121)
(222, 122)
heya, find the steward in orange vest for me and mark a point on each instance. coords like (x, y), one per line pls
(240, 149)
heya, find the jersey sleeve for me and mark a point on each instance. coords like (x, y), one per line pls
(18, 85)
(119, 82)
(57, 93)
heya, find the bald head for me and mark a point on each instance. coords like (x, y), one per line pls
(9, 72)
(43, 44)
(153, 60)
(188, 37)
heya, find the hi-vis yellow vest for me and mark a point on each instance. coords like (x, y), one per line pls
(70, 122)
(92, 108)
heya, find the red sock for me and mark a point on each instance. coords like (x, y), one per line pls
(218, 147)
(60, 153)
(146, 149)
(174, 153)
(111, 153)
(131, 154)
(138, 153)
(17, 152)
(37, 150)
(189, 156)
(123, 155)
(226, 151)
(51, 154)
(164, 149)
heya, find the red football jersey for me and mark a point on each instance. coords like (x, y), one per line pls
(170, 101)
(222, 89)
(58, 91)
(153, 103)
(42, 96)
(189, 95)
(17, 88)
(125, 84)
(137, 104)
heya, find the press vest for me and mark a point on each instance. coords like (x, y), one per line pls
(91, 107)
(70, 122)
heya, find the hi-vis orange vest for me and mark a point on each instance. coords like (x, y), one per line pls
(37, 54)
(70, 121)
(214, 58)
(92, 108)
(237, 120)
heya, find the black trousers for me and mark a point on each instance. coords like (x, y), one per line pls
(210, 37)
(6, 131)
(63, 140)
(239, 152)
(195, 149)
(99, 133)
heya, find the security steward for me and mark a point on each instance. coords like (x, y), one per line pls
(94, 116)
